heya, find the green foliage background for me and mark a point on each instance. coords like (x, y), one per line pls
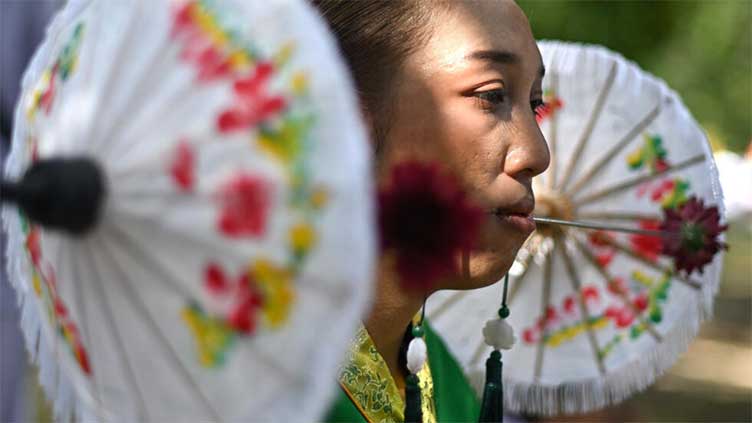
(702, 49)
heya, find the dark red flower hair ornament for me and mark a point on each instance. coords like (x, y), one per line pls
(425, 219)
(696, 229)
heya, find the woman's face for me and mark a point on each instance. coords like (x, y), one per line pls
(467, 100)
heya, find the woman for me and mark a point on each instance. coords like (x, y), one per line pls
(454, 82)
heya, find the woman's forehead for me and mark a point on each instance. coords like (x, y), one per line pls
(477, 35)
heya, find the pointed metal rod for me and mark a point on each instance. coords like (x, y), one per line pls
(601, 226)
(618, 216)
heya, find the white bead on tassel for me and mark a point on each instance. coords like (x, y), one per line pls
(499, 334)
(416, 355)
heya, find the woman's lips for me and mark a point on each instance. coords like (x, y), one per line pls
(521, 221)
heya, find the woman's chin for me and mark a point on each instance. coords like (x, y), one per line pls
(483, 269)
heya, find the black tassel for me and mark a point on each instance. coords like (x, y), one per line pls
(492, 407)
(413, 409)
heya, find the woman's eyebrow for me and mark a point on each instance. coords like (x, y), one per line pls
(501, 57)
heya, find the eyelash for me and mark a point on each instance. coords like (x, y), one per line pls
(496, 97)
(488, 100)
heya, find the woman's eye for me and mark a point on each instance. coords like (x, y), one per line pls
(538, 106)
(490, 99)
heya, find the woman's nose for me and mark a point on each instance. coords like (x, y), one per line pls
(528, 153)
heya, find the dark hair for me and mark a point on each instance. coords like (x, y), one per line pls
(375, 37)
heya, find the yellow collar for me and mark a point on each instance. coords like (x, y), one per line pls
(365, 378)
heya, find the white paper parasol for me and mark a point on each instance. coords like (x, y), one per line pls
(599, 314)
(219, 245)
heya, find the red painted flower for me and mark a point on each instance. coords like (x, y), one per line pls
(618, 286)
(245, 201)
(547, 109)
(648, 246)
(181, 168)
(641, 301)
(695, 230)
(32, 245)
(426, 219)
(569, 304)
(252, 103)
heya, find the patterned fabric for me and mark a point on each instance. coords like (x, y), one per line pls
(367, 381)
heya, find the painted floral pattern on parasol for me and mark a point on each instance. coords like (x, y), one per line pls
(262, 295)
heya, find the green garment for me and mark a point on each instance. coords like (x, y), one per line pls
(454, 399)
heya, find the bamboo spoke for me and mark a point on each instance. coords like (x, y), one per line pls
(633, 182)
(663, 269)
(607, 277)
(545, 302)
(595, 114)
(129, 246)
(618, 147)
(575, 280)
(551, 177)
(518, 280)
(163, 275)
(105, 308)
(618, 216)
(83, 322)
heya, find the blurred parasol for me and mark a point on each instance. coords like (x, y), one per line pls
(189, 176)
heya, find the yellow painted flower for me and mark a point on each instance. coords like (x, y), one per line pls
(299, 83)
(283, 143)
(642, 278)
(276, 285)
(212, 336)
(319, 198)
(302, 237)
(36, 283)
(283, 55)
(240, 60)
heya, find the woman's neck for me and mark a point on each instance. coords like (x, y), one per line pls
(392, 311)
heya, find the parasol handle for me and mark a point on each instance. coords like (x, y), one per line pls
(61, 193)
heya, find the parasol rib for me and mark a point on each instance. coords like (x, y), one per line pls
(664, 269)
(575, 280)
(618, 147)
(596, 113)
(105, 307)
(630, 183)
(128, 244)
(518, 280)
(551, 177)
(619, 216)
(164, 275)
(83, 321)
(607, 277)
(545, 302)
(144, 312)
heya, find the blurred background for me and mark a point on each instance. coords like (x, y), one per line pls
(703, 49)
